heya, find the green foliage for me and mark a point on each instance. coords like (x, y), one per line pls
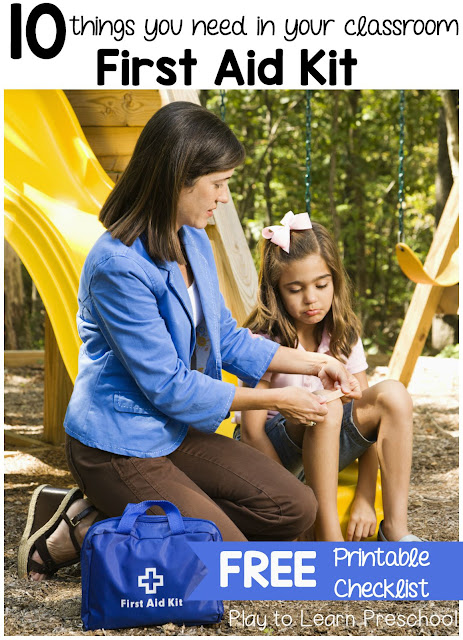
(450, 351)
(355, 142)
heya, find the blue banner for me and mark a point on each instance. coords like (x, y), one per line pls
(330, 571)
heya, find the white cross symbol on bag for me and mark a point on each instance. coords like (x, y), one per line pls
(151, 580)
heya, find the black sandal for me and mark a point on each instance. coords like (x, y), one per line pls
(47, 509)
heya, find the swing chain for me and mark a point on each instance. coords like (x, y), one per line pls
(401, 164)
(308, 149)
(222, 105)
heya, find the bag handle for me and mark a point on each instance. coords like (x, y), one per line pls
(134, 510)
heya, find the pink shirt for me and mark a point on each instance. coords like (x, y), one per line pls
(355, 363)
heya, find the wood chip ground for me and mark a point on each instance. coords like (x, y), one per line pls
(52, 608)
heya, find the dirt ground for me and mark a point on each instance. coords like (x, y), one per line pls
(52, 608)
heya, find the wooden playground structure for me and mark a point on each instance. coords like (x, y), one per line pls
(111, 122)
(429, 299)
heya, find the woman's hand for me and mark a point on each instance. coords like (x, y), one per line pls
(301, 407)
(362, 520)
(334, 375)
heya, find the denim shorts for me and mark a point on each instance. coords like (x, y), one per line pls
(351, 442)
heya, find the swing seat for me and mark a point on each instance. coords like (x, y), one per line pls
(414, 270)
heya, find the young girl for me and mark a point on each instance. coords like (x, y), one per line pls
(304, 302)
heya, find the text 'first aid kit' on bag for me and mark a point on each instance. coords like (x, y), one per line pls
(138, 570)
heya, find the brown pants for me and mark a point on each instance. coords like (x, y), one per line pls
(209, 476)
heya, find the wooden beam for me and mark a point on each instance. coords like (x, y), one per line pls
(114, 108)
(235, 267)
(426, 298)
(23, 358)
(114, 163)
(112, 141)
(20, 440)
(173, 95)
(414, 332)
(57, 389)
(114, 175)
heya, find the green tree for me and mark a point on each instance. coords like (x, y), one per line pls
(355, 142)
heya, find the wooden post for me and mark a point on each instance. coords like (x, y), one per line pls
(57, 391)
(426, 298)
(235, 267)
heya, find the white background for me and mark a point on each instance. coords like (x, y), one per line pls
(410, 61)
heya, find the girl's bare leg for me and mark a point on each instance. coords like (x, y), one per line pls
(320, 456)
(386, 410)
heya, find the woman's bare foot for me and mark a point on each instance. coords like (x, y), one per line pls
(59, 544)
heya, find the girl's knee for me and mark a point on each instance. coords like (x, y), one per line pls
(334, 416)
(393, 397)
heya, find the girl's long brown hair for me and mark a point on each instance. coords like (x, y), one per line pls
(270, 315)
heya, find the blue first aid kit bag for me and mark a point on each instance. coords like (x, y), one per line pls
(138, 570)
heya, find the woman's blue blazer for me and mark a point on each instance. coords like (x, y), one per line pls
(135, 393)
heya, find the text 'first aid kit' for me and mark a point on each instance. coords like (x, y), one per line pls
(138, 570)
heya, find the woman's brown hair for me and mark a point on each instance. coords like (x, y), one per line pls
(178, 145)
(270, 315)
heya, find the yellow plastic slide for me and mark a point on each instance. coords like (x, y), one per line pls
(54, 189)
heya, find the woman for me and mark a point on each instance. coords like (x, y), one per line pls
(156, 335)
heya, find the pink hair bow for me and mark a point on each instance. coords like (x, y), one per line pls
(281, 235)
